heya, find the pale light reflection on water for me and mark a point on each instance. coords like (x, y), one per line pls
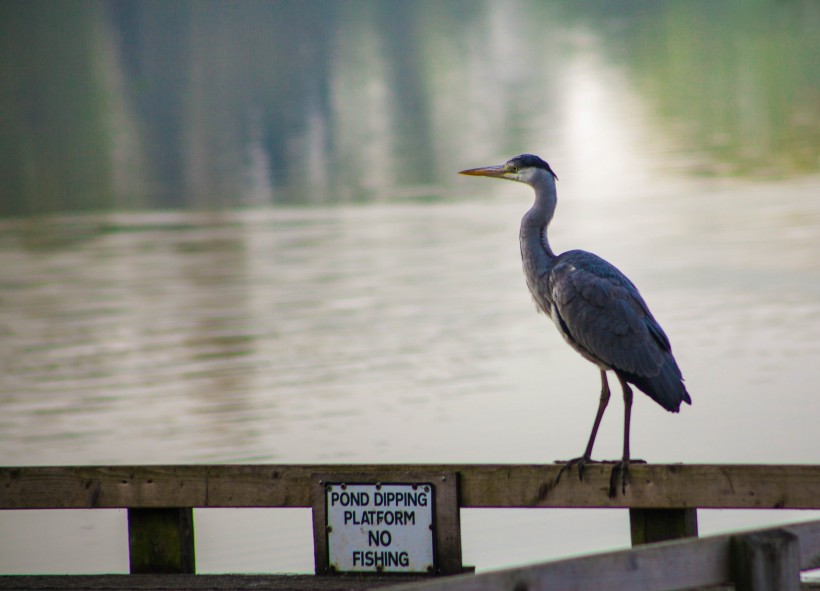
(393, 333)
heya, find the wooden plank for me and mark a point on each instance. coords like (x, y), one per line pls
(809, 547)
(232, 582)
(655, 486)
(648, 568)
(682, 564)
(167, 582)
(766, 561)
(92, 487)
(161, 541)
(648, 526)
(265, 485)
(651, 486)
(448, 530)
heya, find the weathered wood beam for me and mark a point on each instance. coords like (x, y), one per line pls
(161, 541)
(651, 486)
(648, 526)
(204, 582)
(91, 487)
(766, 561)
(682, 564)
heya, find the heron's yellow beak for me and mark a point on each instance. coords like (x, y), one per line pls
(493, 171)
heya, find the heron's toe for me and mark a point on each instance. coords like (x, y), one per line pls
(580, 462)
(620, 472)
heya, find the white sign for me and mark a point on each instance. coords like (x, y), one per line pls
(380, 527)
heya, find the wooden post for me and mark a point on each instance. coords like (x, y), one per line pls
(161, 541)
(766, 561)
(648, 526)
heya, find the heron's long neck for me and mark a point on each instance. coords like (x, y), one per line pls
(535, 247)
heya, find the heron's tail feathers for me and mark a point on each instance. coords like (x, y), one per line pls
(666, 387)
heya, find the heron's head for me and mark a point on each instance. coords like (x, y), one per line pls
(526, 168)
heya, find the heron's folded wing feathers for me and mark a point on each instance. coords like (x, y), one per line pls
(606, 316)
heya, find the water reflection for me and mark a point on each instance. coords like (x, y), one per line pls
(199, 104)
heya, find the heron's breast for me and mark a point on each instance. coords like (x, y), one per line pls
(539, 290)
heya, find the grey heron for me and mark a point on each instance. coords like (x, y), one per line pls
(595, 307)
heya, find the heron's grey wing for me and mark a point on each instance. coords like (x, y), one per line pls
(604, 315)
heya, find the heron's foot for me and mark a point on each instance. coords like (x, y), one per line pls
(620, 472)
(568, 464)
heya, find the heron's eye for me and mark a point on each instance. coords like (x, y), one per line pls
(513, 168)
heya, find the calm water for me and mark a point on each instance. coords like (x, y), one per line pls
(392, 333)
(368, 304)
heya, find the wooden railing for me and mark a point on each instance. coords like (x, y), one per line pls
(662, 499)
(763, 560)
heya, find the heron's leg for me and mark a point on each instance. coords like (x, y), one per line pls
(621, 468)
(587, 457)
(604, 400)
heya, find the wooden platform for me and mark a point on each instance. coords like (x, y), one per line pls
(662, 501)
(198, 582)
(227, 583)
